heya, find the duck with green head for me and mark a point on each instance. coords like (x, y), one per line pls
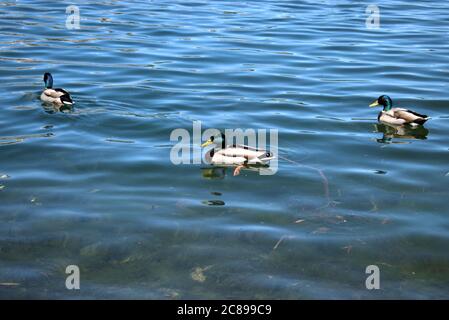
(397, 116)
(55, 96)
(234, 155)
(238, 156)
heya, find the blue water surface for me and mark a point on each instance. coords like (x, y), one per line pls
(95, 187)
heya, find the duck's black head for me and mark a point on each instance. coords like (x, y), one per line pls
(212, 139)
(384, 101)
(48, 80)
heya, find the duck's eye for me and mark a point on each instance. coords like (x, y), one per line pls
(212, 138)
(267, 154)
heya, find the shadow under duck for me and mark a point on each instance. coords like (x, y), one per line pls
(391, 133)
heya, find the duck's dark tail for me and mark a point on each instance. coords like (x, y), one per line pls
(421, 121)
(67, 99)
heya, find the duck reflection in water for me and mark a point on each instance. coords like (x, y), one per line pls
(391, 132)
(51, 109)
(219, 172)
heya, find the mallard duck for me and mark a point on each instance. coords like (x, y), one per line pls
(397, 116)
(55, 96)
(235, 154)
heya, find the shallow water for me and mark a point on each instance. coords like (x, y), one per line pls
(95, 187)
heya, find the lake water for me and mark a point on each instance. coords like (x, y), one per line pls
(95, 187)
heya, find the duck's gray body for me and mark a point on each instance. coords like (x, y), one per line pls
(238, 155)
(53, 96)
(400, 116)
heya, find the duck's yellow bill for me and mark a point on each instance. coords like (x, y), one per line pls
(374, 104)
(205, 144)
